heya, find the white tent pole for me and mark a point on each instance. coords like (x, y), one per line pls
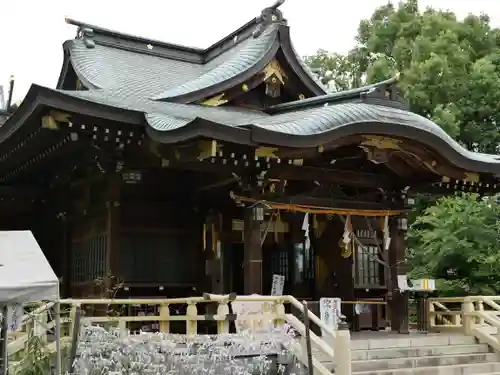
(57, 307)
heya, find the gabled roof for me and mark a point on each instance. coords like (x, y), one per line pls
(131, 65)
(157, 88)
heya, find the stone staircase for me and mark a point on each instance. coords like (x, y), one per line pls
(420, 354)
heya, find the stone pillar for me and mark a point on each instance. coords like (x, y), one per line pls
(254, 216)
(398, 302)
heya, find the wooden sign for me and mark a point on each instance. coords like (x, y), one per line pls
(278, 285)
(330, 312)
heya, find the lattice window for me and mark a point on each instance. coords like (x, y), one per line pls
(88, 257)
(304, 262)
(77, 263)
(279, 263)
(367, 271)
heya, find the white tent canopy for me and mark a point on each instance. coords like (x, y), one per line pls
(25, 273)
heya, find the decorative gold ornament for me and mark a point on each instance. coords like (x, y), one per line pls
(345, 249)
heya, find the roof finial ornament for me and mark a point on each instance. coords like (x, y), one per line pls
(86, 34)
(268, 16)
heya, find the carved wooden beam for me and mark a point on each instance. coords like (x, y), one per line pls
(342, 177)
(292, 172)
(194, 151)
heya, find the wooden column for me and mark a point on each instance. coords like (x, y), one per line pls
(212, 252)
(227, 231)
(398, 302)
(113, 226)
(66, 246)
(254, 216)
(62, 217)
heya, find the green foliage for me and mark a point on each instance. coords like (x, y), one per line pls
(450, 73)
(37, 360)
(457, 242)
(449, 68)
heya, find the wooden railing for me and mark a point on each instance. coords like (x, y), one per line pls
(477, 316)
(170, 315)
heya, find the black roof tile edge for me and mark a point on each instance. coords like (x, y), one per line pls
(295, 63)
(168, 50)
(254, 135)
(329, 98)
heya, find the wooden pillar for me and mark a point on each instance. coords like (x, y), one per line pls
(398, 302)
(212, 252)
(227, 232)
(66, 247)
(254, 216)
(62, 216)
(113, 265)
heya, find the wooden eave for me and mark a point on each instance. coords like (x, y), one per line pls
(40, 99)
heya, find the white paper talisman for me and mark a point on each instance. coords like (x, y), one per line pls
(14, 316)
(329, 310)
(278, 285)
(403, 283)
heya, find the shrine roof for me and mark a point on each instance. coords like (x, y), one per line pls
(158, 86)
(3, 116)
(313, 126)
(136, 66)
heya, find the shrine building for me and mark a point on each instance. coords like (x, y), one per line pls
(180, 170)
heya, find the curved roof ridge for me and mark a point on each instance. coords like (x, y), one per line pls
(200, 55)
(298, 65)
(331, 97)
(119, 34)
(251, 59)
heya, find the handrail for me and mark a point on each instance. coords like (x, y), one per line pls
(312, 317)
(478, 317)
(191, 317)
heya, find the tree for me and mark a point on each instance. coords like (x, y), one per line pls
(450, 69)
(450, 73)
(457, 242)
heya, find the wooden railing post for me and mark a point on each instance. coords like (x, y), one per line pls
(279, 312)
(122, 327)
(223, 312)
(165, 318)
(480, 308)
(343, 349)
(431, 310)
(72, 315)
(191, 322)
(468, 319)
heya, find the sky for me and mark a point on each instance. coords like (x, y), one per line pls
(33, 31)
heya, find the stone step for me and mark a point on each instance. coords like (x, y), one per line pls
(415, 362)
(412, 341)
(464, 369)
(428, 351)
